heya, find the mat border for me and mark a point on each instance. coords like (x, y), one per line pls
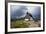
(6, 4)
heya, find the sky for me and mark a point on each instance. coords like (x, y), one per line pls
(18, 11)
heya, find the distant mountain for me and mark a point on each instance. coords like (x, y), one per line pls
(18, 13)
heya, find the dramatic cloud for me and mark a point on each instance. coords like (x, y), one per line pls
(20, 11)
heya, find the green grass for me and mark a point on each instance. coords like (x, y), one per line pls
(19, 24)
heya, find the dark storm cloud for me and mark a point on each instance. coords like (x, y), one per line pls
(20, 11)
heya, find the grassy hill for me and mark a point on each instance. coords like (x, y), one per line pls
(20, 23)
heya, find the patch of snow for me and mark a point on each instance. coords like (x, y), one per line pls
(26, 19)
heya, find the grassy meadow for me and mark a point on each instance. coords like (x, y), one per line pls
(19, 24)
